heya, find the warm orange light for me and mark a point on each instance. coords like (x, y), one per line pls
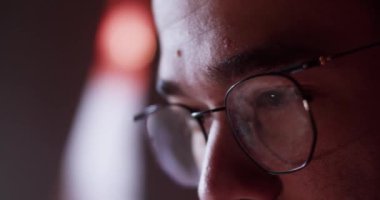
(127, 38)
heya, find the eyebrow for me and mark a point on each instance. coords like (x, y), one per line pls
(256, 61)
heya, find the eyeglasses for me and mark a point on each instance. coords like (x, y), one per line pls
(269, 115)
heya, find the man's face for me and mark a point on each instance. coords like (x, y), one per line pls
(197, 37)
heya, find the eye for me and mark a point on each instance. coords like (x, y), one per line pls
(271, 99)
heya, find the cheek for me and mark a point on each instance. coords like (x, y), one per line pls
(349, 174)
(343, 107)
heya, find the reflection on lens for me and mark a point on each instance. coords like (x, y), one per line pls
(269, 119)
(172, 133)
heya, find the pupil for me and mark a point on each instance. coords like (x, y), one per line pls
(272, 98)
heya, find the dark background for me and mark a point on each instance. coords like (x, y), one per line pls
(46, 49)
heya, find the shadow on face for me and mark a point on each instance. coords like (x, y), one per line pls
(198, 38)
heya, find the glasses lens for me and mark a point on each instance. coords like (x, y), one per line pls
(271, 122)
(177, 141)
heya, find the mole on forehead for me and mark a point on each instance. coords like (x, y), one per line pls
(179, 53)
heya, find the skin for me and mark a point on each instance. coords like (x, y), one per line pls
(198, 34)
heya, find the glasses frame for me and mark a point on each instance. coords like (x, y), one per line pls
(306, 107)
(284, 73)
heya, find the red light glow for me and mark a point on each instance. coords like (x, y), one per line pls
(126, 38)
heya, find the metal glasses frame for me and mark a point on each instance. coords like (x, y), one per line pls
(285, 73)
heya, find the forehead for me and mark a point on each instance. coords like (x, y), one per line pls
(196, 35)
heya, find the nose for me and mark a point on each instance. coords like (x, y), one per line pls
(228, 174)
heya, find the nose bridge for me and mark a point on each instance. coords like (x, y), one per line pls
(227, 173)
(205, 112)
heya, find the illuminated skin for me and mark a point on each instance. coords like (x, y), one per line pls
(197, 35)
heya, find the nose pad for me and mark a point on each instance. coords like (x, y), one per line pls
(227, 173)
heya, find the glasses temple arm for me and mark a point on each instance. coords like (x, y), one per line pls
(322, 60)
